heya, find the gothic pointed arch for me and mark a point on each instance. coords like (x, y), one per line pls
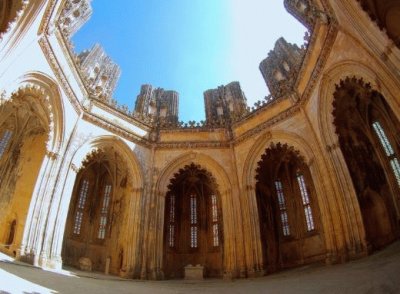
(103, 225)
(192, 225)
(381, 81)
(367, 132)
(222, 189)
(331, 229)
(291, 229)
(43, 90)
(31, 124)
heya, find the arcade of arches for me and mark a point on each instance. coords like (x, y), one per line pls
(310, 176)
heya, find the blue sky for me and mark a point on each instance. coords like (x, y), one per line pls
(188, 45)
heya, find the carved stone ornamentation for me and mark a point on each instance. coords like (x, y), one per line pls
(281, 68)
(74, 15)
(225, 104)
(158, 104)
(100, 72)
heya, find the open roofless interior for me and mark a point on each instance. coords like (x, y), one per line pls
(309, 175)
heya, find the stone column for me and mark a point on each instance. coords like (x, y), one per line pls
(38, 210)
(52, 243)
(352, 238)
(253, 248)
(131, 262)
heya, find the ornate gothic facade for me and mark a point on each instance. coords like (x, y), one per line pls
(309, 174)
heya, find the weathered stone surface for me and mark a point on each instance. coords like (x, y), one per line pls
(85, 264)
(194, 272)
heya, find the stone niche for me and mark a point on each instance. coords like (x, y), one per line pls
(194, 272)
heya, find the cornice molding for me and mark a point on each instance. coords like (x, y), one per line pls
(194, 144)
(267, 124)
(109, 126)
(55, 66)
(106, 107)
(326, 49)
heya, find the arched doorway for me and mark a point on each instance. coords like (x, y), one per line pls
(94, 237)
(290, 225)
(368, 137)
(24, 131)
(193, 224)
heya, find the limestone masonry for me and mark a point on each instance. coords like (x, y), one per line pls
(311, 173)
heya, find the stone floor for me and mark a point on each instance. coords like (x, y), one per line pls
(378, 273)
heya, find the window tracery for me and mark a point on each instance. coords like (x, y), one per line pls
(83, 192)
(282, 208)
(192, 229)
(288, 211)
(171, 227)
(389, 151)
(306, 203)
(193, 221)
(214, 218)
(104, 212)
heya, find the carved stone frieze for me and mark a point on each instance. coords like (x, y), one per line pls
(158, 105)
(100, 73)
(225, 104)
(74, 15)
(281, 68)
(52, 59)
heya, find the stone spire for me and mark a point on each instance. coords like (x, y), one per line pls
(281, 68)
(226, 103)
(100, 72)
(74, 15)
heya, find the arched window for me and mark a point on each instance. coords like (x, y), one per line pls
(83, 192)
(389, 151)
(282, 208)
(171, 226)
(104, 212)
(288, 212)
(96, 224)
(368, 136)
(214, 219)
(192, 224)
(306, 203)
(193, 221)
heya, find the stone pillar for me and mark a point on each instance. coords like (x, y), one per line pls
(131, 242)
(253, 250)
(37, 214)
(58, 218)
(351, 241)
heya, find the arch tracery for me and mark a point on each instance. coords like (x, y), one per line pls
(103, 219)
(192, 230)
(367, 133)
(289, 213)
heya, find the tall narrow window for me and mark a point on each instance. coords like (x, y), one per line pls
(104, 212)
(282, 208)
(193, 221)
(394, 162)
(5, 139)
(81, 206)
(171, 228)
(306, 203)
(214, 217)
